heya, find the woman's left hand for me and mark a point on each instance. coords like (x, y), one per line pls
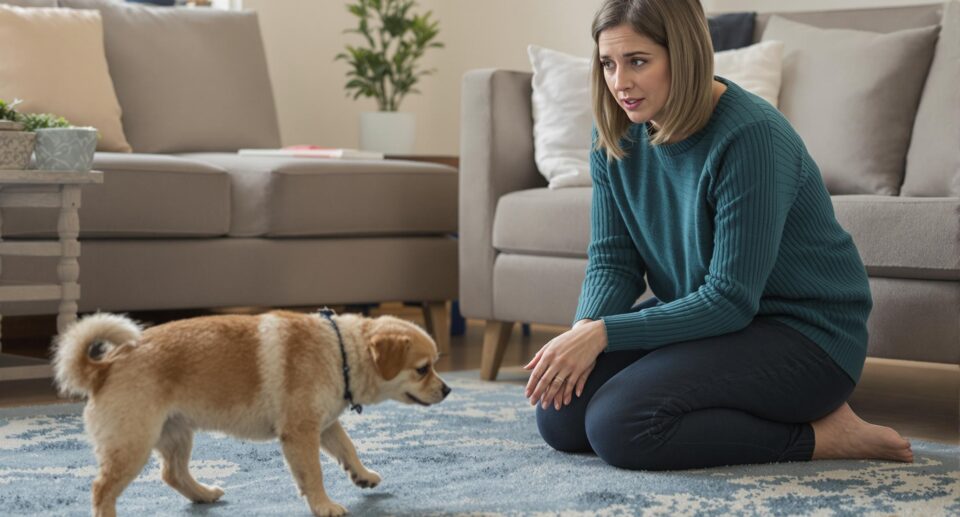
(564, 363)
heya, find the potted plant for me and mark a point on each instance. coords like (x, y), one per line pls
(61, 146)
(386, 69)
(16, 145)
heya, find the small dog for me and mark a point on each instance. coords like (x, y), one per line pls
(276, 375)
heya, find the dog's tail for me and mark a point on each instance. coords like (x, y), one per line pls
(76, 362)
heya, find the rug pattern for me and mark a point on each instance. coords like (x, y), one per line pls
(477, 453)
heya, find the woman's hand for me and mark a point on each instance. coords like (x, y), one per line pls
(564, 364)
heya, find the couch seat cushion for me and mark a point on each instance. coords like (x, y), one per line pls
(902, 237)
(897, 237)
(544, 221)
(142, 196)
(309, 197)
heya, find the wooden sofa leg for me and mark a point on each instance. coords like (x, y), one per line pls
(437, 319)
(495, 338)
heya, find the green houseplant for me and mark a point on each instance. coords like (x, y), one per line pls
(36, 121)
(386, 67)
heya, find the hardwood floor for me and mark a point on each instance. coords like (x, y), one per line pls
(920, 400)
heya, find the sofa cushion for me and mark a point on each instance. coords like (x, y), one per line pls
(933, 161)
(755, 68)
(188, 79)
(901, 237)
(562, 116)
(730, 31)
(66, 75)
(308, 197)
(872, 19)
(897, 237)
(142, 196)
(857, 123)
(544, 222)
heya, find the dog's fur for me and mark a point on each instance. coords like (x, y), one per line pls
(275, 375)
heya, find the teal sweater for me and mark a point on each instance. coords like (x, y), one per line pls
(732, 223)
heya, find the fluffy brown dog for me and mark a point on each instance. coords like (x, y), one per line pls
(275, 375)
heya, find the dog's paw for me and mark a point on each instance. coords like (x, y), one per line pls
(329, 509)
(210, 494)
(368, 479)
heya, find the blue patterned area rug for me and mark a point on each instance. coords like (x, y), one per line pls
(476, 453)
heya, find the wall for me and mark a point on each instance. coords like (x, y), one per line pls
(303, 36)
(802, 5)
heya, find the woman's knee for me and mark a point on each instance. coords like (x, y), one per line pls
(563, 430)
(623, 441)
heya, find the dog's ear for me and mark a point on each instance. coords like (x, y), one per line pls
(389, 353)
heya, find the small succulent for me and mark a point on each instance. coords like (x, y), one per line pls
(8, 111)
(35, 121)
(31, 121)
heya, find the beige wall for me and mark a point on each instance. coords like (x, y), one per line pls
(303, 36)
(803, 5)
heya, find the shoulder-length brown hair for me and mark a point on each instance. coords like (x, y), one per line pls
(680, 26)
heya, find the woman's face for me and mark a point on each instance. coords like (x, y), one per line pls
(637, 72)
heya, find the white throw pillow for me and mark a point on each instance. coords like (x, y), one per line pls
(563, 117)
(755, 68)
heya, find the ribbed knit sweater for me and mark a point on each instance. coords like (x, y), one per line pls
(731, 223)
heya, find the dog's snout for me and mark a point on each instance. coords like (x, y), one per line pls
(445, 389)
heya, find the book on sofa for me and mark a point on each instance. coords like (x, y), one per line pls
(312, 151)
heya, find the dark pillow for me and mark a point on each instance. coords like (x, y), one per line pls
(731, 30)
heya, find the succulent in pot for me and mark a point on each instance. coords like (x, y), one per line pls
(61, 146)
(16, 145)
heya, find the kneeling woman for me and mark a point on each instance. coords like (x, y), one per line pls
(758, 332)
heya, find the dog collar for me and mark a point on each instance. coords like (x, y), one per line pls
(329, 314)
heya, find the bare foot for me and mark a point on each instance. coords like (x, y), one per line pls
(843, 435)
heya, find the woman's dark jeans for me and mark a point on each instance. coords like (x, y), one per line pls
(743, 397)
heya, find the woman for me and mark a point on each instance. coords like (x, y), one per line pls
(759, 333)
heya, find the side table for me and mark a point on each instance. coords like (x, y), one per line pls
(63, 193)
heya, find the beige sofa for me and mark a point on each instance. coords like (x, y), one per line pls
(187, 223)
(523, 246)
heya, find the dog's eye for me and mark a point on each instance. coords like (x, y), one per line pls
(423, 370)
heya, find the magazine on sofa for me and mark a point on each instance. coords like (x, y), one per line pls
(313, 151)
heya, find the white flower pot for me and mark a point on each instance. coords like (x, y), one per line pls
(388, 132)
(66, 148)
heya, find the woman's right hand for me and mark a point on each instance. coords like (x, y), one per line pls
(563, 396)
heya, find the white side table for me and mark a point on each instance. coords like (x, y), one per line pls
(63, 193)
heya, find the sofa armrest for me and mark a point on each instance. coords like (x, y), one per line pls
(496, 158)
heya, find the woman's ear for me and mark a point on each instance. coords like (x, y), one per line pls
(389, 353)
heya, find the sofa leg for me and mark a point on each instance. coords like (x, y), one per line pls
(437, 320)
(495, 338)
